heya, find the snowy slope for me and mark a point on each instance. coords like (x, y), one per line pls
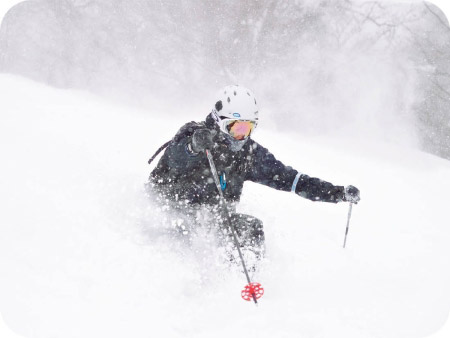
(81, 253)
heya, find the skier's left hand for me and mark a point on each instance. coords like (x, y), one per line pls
(201, 140)
(351, 194)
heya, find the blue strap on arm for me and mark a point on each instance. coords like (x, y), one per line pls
(294, 184)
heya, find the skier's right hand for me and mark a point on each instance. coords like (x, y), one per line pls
(202, 139)
(351, 194)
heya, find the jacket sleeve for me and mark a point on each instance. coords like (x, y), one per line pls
(315, 189)
(267, 170)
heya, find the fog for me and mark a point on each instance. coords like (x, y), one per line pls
(369, 71)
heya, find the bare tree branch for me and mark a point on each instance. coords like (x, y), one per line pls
(445, 91)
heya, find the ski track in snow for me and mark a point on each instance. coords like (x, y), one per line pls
(82, 253)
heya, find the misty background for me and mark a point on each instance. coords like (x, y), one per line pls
(374, 70)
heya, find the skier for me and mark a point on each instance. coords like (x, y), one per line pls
(183, 183)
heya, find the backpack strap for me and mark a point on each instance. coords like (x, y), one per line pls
(164, 146)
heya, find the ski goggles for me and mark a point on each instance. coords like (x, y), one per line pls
(240, 130)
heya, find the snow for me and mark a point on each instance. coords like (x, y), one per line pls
(81, 253)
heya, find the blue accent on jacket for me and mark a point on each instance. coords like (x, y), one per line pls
(223, 181)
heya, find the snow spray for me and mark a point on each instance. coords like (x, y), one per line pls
(251, 290)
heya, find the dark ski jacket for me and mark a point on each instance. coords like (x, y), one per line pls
(185, 177)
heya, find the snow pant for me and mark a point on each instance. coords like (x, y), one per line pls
(249, 231)
(185, 220)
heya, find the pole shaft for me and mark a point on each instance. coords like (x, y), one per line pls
(227, 213)
(348, 223)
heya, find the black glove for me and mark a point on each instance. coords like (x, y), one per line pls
(351, 194)
(202, 139)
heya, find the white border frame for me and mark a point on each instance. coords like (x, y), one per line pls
(444, 332)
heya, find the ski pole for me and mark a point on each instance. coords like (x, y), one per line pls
(250, 287)
(348, 222)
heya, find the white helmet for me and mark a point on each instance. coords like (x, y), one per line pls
(235, 103)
